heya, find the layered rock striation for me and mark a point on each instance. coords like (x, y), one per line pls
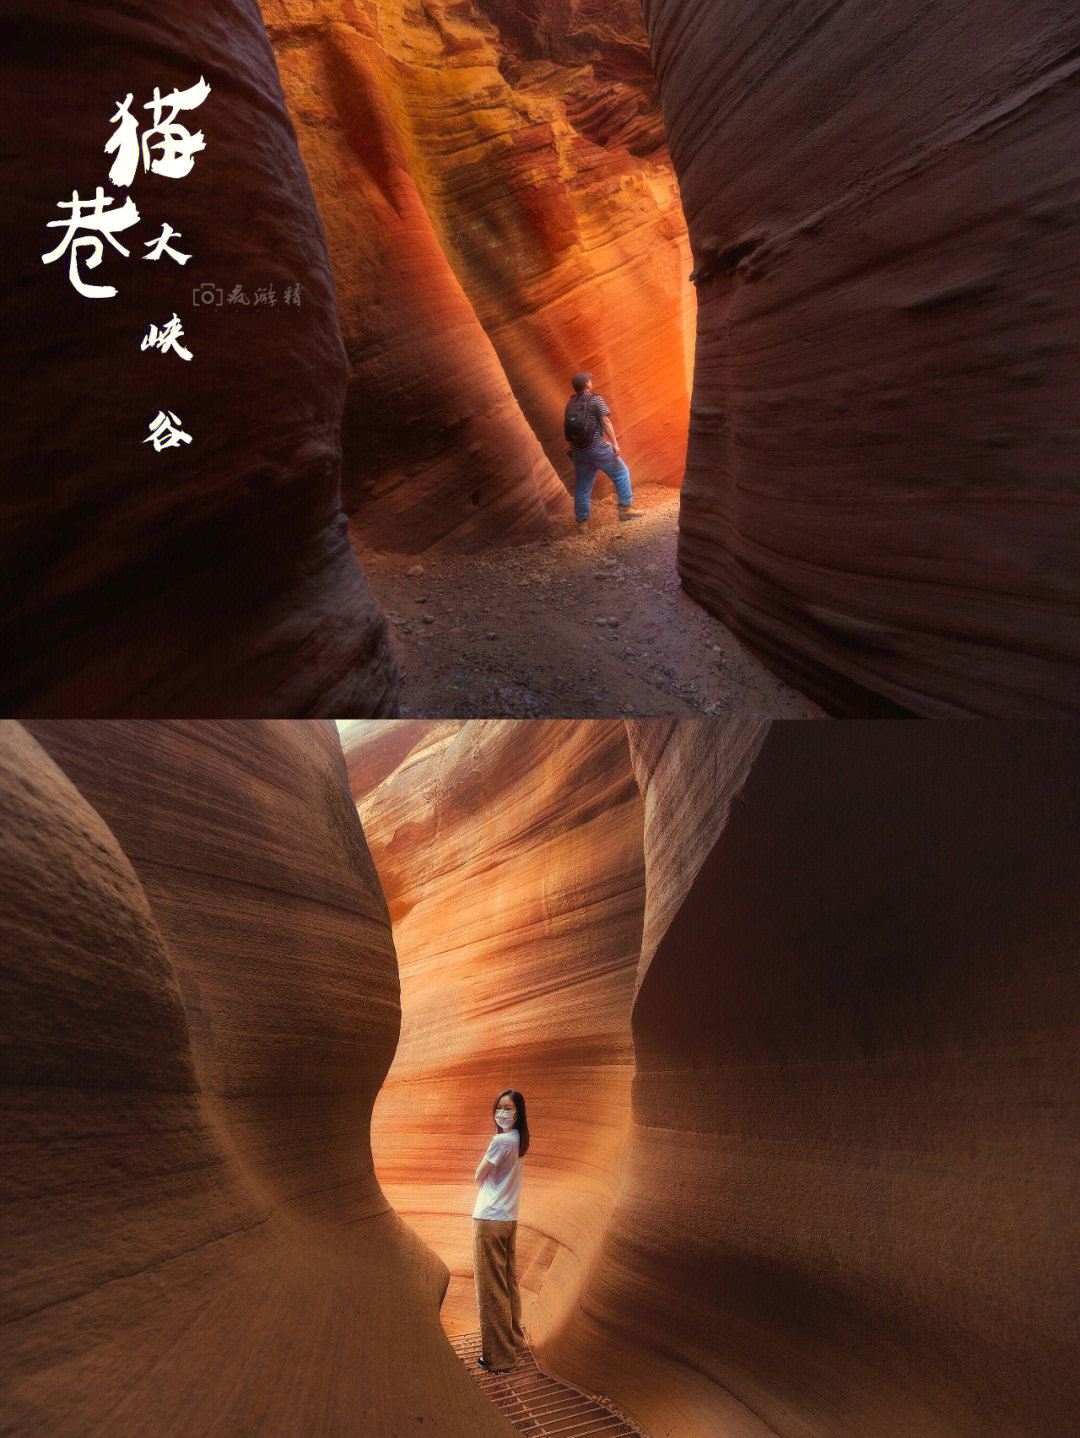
(437, 451)
(794, 1010)
(844, 1201)
(510, 855)
(881, 491)
(210, 577)
(847, 1206)
(501, 212)
(201, 999)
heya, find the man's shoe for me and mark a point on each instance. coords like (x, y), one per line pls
(489, 1369)
(583, 526)
(625, 512)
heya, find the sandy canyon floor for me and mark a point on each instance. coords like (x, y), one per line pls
(575, 626)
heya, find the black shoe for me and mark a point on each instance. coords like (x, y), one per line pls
(488, 1369)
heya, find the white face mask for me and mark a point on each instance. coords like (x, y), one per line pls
(504, 1117)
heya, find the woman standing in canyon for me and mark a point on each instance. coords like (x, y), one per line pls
(495, 1234)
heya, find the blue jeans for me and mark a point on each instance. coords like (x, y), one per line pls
(586, 463)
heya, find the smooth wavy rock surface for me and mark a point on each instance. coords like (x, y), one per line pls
(436, 450)
(201, 1000)
(213, 577)
(849, 1201)
(501, 211)
(883, 205)
(688, 771)
(510, 855)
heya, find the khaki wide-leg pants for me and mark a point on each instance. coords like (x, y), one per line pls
(497, 1296)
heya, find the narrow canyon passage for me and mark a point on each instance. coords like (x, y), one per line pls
(822, 267)
(572, 626)
(795, 1007)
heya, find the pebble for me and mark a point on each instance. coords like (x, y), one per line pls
(415, 569)
(491, 634)
(614, 623)
(428, 618)
(601, 622)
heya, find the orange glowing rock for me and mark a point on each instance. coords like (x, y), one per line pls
(510, 854)
(501, 212)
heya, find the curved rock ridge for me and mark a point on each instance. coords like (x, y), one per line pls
(210, 577)
(499, 198)
(689, 771)
(848, 1206)
(881, 492)
(436, 450)
(510, 854)
(200, 984)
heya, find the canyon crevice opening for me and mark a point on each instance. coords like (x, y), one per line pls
(822, 264)
(795, 1008)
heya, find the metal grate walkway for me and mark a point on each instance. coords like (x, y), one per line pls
(543, 1407)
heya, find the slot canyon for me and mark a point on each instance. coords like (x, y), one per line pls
(862, 410)
(794, 1006)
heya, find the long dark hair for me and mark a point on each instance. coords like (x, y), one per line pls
(522, 1124)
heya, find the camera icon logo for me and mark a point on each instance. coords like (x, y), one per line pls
(207, 294)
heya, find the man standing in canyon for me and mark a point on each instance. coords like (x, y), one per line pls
(587, 425)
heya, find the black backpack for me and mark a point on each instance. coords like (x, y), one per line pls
(579, 421)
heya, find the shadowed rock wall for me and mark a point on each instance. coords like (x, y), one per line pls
(213, 577)
(201, 1000)
(850, 1198)
(881, 487)
(500, 206)
(510, 855)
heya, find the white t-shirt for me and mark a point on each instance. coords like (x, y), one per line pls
(500, 1192)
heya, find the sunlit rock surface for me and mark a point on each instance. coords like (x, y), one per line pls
(849, 1202)
(501, 211)
(208, 578)
(510, 856)
(437, 452)
(881, 489)
(200, 996)
(688, 772)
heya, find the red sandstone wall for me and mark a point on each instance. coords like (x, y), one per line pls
(850, 1198)
(437, 452)
(500, 207)
(881, 488)
(688, 771)
(210, 578)
(510, 855)
(201, 1000)
(556, 201)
